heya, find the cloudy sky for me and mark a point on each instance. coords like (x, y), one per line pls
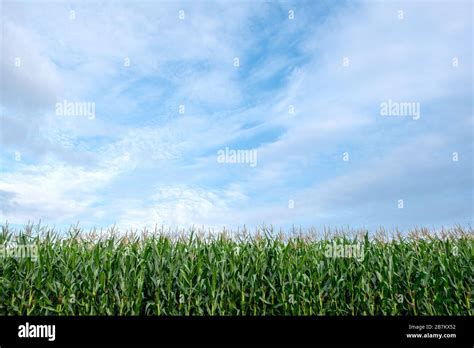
(301, 86)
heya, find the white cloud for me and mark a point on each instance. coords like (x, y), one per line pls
(35, 82)
(178, 206)
(139, 143)
(57, 193)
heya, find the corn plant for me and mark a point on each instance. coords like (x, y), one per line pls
(262, 273)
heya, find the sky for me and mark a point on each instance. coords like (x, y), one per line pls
(229, 113)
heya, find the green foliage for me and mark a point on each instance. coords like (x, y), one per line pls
(192, 274)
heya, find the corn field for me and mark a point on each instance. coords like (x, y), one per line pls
(262, 273)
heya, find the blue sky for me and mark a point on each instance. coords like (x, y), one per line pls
(306, 97)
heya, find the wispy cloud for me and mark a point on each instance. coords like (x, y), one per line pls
(171, 89)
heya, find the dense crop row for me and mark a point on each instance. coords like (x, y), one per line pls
(258, 275)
